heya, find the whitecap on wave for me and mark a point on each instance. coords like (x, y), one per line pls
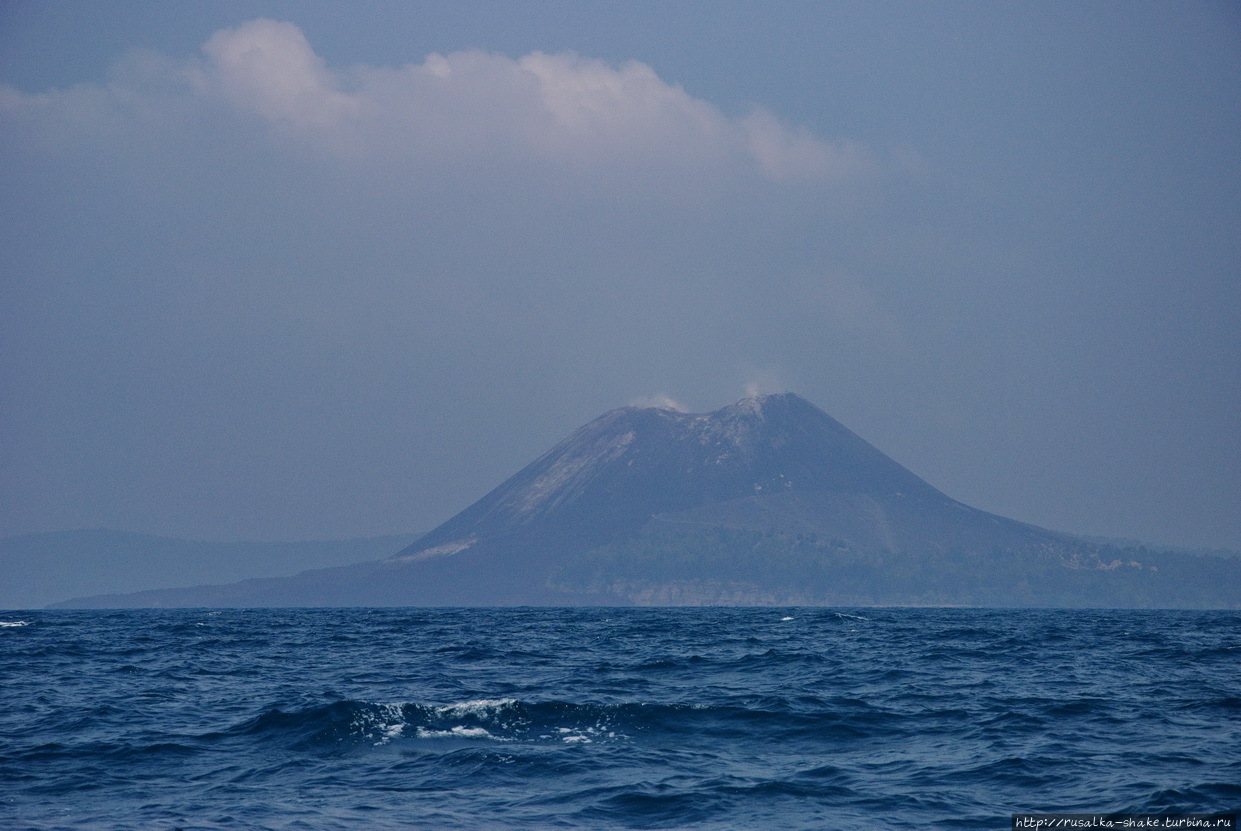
(485, 719)
(457, 732)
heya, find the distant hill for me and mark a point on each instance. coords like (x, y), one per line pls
(38, 569)
(767, 501)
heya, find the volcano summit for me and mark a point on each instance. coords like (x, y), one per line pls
(767, 501)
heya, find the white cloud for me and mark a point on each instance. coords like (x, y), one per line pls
(587, 107)
(559, 109)
(268, 67)
(786, 154)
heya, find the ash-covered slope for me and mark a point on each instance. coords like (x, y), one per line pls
(766, 500)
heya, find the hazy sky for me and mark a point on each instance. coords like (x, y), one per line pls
(320, 269)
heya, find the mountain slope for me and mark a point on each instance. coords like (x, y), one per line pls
(766, 462)
(769, 500)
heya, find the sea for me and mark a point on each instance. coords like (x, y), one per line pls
(599, 718)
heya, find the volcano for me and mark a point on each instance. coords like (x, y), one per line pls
(768, 463)
(767, 501)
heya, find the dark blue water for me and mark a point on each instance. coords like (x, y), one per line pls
(602, 718)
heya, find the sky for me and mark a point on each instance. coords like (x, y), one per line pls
(309, 270)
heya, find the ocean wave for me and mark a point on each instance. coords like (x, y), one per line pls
(484, 719)
(845, 616)
(507, 720)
